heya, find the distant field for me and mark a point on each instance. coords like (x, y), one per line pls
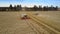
(10, 21)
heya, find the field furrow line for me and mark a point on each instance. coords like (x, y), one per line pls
(40, 22)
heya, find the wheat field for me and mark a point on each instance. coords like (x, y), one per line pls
(46, 22)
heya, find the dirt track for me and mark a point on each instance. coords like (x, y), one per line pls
(11, 23)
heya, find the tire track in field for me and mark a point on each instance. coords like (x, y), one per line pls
(24, 28)
(31, 25)
(46, 27)
(37, 28)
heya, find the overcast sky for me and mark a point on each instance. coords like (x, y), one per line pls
(30, 2)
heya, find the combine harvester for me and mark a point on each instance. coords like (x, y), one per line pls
(24, 16)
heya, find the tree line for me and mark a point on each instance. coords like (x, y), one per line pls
(34, 8)
(44, 8)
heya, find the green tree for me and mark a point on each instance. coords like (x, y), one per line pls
(35, 8)
(11, 7)
(40, 7)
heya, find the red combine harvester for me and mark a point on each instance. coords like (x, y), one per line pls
(24, 16)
